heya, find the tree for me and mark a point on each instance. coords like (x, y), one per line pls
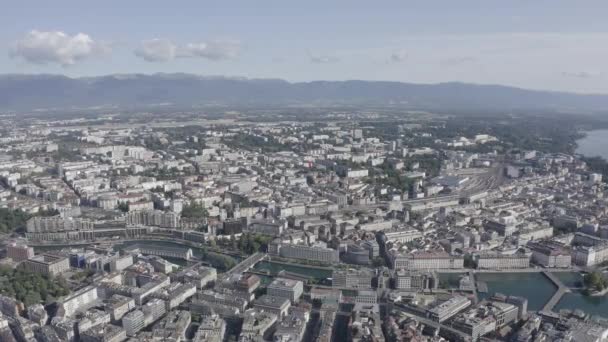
(124, 207)
(32, 298)
(378, 261)
(233, 241)
(30, 287)
(469, 262)
(12, 220)
(595, 280)
(194, 211)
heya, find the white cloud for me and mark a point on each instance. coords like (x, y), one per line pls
(214, 50)
(580, 74)
(43, 47)
(398, 56)
(156, 50)
(456, 61)
(163, 50)
(323, 59)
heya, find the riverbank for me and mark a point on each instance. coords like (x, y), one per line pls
(597, 293)
(274, 260)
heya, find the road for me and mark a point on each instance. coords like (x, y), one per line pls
(511, 270)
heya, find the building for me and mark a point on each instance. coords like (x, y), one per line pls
(356, 254)
(292, 327)
(257, 323)
(37, 314)
(375, 225)
(267, 227)
(19, 252)
(402, 235)
(155, 218)
(327, 316)
(45, 224)
(10, 306)
(550, 255)
(121, 262)
(538, 233)
(133, 322)
(485, 318)
(248, 283)
(366, 297)
(315, 253)
(413, 280)
(47, 264)
(117, 306)
(590, 255)
(286, 288)
(223, 299)
(352, 278)
(176, 293)
(154, 309)
(78, 300)
(275, 305)
(172, 327)
(211, 329)
(198, 274)
(103, 333)
(449, 308)
(427, 261)
(497, 261)
(326, 296)
(365, 325)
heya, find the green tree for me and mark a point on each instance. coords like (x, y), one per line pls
(194, 211)
(124, 207)
(32, 298)
(378, 261)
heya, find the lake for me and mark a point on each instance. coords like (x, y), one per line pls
(594, 144)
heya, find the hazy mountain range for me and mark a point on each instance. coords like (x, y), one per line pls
(27, 92)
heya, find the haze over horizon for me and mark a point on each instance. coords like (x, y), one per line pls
(545, 45)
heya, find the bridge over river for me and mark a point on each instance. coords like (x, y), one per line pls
(561, 290)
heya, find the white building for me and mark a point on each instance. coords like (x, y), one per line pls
(78, 300)
(449, 308)
(286, 288)
(133, 322)
(499, 261)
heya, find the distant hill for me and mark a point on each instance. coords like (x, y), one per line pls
(27, 92)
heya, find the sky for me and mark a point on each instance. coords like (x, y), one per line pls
(541, 44)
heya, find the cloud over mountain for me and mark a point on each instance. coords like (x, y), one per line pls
(163, 50)
(156, 50)
(48, 47)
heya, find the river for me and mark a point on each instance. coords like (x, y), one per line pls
(594, 144)
(538, 289)
(534, 286)
(309, 271)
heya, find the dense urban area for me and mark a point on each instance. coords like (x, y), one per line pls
(300, 225)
